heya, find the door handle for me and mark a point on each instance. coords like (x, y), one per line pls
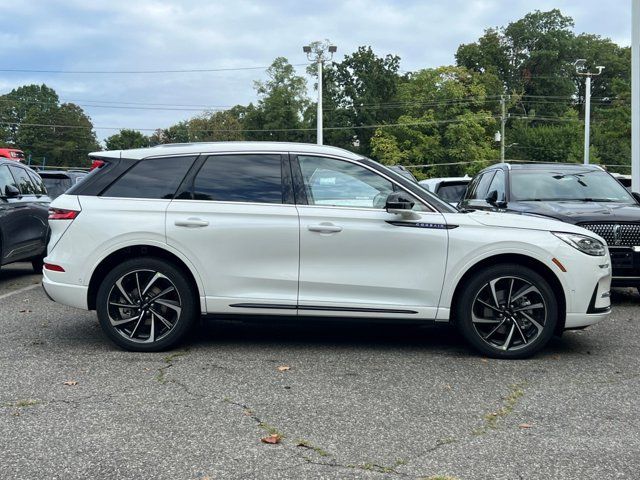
(325, 228)
(191, 222)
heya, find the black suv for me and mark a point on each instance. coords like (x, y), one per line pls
(584, 195)
(24, 207)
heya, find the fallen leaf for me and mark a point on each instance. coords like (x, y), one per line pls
(272, 439)
(70, 383)
(284, 368)
(525, 425)
(484, 360)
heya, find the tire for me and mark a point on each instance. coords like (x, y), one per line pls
(37, 264)
(499, 330)
(142, 324)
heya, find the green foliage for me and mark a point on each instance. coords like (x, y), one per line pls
(24, 110)
(445, 122)
(282, 101)
(126, 139)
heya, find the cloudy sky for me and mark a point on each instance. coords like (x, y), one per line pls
(134, 35)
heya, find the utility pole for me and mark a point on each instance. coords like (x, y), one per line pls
(503, 122)
(635, 95)
(579, 64)
(319, 52)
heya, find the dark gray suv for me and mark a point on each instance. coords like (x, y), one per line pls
(24, 207)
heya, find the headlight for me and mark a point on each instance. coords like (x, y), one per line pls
(585, 244)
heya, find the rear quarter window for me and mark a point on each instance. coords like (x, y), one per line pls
(155, 178)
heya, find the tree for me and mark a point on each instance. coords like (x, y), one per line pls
(35, 121)
(447, 119)
(219, 126)
(126, 139)
(359, 90)
(282, 99)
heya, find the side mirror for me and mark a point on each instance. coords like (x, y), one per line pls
(400, 204)
(11, 191)
(492, 199)
(636, 195)
(398, 201)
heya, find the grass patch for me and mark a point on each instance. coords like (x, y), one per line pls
(491, 419)
(23, 403)
(270, 429)
(305, 444)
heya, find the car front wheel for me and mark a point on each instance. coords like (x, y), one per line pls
(146, 305)
(507, 311)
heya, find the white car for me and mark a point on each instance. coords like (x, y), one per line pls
(155, 237)
(449, 189)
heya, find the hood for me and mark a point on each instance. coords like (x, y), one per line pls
(572, 211)
(514, 220)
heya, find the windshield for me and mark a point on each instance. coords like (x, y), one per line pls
(563, 184)
(452, 192)
(56, 186)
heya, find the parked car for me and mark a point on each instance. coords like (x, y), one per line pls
(625, 180)
(449, 189)
(583, 195)
(59, 181)
(169, 233)
(24, 208)
(404, 171)
(12, 154)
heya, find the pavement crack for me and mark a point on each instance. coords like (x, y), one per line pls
(492, 419)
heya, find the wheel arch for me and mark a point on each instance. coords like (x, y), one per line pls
(520, 259)
(133, 251)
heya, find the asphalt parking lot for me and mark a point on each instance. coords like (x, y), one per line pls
(356, 402)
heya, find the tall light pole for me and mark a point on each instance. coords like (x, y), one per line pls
(579, 64)
(635, 95)
(319, 52)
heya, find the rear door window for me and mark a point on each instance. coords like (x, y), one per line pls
(251, 178)
(156, 178)
(25, 184)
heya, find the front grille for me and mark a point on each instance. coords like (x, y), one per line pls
(616, 234)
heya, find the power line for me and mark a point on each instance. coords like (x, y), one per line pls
(134, 72)
(353, 127)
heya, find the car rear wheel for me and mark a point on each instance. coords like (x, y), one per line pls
(146, 305)
(507, 311)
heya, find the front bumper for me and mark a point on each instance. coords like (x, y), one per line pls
(581, 320)
(626, 266)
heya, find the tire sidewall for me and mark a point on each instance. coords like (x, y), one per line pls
(472, 287)
(189, 313)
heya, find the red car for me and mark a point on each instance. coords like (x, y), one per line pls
(12, 154)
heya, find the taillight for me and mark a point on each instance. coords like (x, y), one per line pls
(96, 164)
(61, 214)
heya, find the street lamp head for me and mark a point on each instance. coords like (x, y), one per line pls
(306, 49)
(600, 69)
(333, 49)
(579, 64)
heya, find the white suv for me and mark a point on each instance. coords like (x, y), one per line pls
(155, 237)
